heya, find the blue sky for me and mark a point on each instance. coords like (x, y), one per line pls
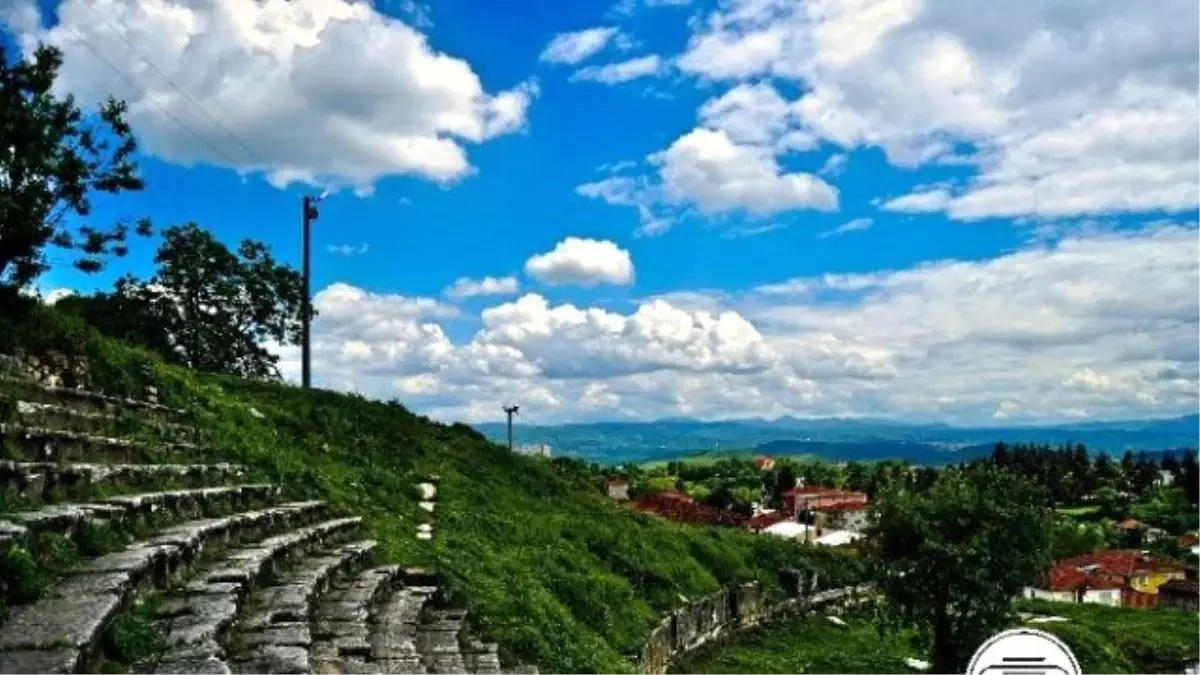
(741, 208)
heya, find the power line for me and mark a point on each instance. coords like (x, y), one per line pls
(124, 38)
(147, 99)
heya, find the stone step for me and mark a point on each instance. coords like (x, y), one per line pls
(482, 658)
(341, 628)
(394, 635)
(437, 641)
(196, 620)
(60, 416)
(20, 442)
(63, 629)
(38, 482)
(149, 509)
(275, 637)
(85, 400)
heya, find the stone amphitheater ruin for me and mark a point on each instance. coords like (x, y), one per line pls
(242, 581)
(234, 578)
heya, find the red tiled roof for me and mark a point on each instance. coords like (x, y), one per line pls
(1108, 570)
(843, 506)
(810, 491)
(1187, 541)
(1122, 562)
(764, 520)
(762, 461)
(1068, 578)
(1130, 524)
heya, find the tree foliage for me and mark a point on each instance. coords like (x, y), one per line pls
(206, 307)
(950, 559)
(53, 159)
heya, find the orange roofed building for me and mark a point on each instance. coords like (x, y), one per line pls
(802, 498)
(1118, 577)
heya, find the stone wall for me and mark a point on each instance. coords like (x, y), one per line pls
(734, 609)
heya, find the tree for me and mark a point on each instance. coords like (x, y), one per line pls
(206, 307)
(949, 560)
(52, 160)
(785, 479)
(125, 314)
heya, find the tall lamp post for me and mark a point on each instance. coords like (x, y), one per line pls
(510, 411)
(310, 214)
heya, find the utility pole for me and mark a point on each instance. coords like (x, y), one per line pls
(310, 214)
(510, 411)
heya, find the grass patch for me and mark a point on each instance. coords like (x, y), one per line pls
(133, 636)
(1122, 640)
(805, 645)
(1079, 511)
(1103, 639)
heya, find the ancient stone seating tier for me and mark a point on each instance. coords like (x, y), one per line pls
(232, 576)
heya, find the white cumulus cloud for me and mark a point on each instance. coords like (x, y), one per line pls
(466, 287)
(327, 92)
(571, 48)
(729, 164)
(1062, 108)
(1098, 325)
(622, 71)
(582, 262)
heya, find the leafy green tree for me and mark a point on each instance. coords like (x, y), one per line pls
(1071, 538)
(206, 307)
(1112, 503)
(125, 314)
(785, 479)
(53, 159)
(1107, 474)
(949, 560)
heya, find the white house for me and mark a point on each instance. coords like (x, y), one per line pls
(1099, 596)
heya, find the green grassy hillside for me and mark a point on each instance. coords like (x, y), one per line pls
(548, 567)
(804, 645)
(1104, 639)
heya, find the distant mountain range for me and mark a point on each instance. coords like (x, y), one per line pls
(836, 438)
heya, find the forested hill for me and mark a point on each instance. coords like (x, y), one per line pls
(840, 439)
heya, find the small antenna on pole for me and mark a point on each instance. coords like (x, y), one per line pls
(510, 410)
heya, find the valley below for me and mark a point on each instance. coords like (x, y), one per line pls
(835, 439)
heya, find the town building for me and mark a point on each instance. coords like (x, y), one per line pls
(850, 515)
(537, 449)
(1117, 577)
(1130, 525)
(1189, 542)
(807, 499)
(760, 521)
(618, 489)
(1180, 594)
(764, 463)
